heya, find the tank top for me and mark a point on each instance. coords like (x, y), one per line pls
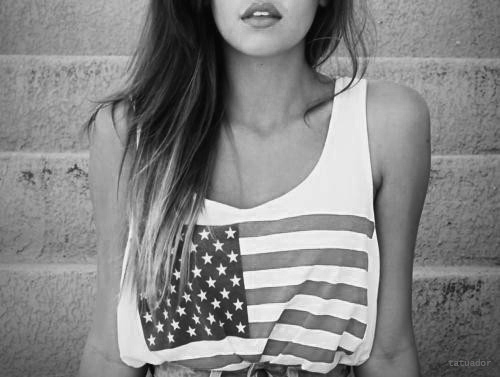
(291, 283)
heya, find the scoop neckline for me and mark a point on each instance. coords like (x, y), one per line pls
(299, 185)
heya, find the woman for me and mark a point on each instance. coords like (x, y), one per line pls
(301, 231)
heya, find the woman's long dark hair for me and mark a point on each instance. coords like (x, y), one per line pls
(175, 92)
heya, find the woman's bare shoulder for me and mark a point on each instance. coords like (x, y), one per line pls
(398, 123)
(111, 122)
(109, 168)
(108, 138)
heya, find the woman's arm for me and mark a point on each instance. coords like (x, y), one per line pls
(399, 127)
(101, 355)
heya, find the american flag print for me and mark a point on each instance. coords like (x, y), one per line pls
(213, 305)
(296, 287)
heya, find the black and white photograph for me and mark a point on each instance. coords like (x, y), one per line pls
(249, 188)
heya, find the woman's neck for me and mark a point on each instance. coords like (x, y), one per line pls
(267, 93)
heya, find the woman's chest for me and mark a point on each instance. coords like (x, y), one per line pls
(250, 170)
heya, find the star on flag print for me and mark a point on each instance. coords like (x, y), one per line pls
(213, 305)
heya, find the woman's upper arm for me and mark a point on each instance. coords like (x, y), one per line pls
(101, 354)
(400, 129)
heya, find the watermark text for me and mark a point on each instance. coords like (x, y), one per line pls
(469, 363)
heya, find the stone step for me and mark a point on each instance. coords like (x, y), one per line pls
(47, 215)
(46, 99)
(47, 311)
(459, 28)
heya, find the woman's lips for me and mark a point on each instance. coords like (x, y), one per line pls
(261, 15)
(264, 10)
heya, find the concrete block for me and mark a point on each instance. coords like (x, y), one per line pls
(72, 27)
(456, 317)
(404, 27)
(47, 216)
(46, 213)
(47, 310)
(459, 223)
(47, 99)
(451, 28)
(45, 318)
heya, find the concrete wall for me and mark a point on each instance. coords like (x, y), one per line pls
(56, 55)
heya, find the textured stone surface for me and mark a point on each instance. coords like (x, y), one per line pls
(459, 223)
(69, 27)
(46, 315)
(46, 99)
(46, 210)
(437, 27)
(404, 27)
(47, 214)
(456, 316)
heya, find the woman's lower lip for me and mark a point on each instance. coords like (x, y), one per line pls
(260, 21)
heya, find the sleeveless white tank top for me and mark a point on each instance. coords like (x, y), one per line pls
(291, 282)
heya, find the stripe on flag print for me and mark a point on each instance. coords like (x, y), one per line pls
(313, 322)
(356, 224)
